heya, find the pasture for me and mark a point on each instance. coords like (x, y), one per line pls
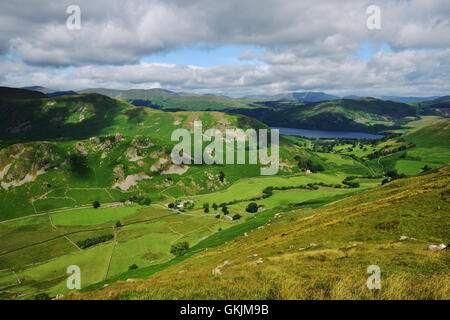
(44, 246)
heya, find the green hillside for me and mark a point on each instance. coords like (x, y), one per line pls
(440, 105)
(88, 115)
(165, 99)
(103, 149)
(436, 134)
(362, 114)
(321, 253)
(419, 150)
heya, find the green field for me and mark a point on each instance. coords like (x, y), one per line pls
(44, 251)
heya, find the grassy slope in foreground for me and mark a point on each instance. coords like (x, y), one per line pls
(322, 253)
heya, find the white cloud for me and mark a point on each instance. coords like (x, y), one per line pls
(307, 45)
(247, 55)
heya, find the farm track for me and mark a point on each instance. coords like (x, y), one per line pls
(111, 255)
(74, 244)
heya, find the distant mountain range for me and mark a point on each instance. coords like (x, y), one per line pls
(408, 99)
(303, 110)
(148, 94)
(50, 93)
(321, 96)
(304, 97)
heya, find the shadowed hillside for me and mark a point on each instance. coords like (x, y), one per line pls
(15, 93)
(362, 114)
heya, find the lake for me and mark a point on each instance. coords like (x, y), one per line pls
(326, 134)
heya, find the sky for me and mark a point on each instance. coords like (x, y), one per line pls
(233, 47)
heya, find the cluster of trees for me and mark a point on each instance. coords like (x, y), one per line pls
(328, 145)
(225, 209)
(178, 249)
(268, 191)
(142, 200)
(252, 207)
(89, 242)
(392, 175)
(186, 205)
(42, 296)
(237, 217)
(206, 207)
(308, 164)
(348, 182)
(133, 266)
(384, 152)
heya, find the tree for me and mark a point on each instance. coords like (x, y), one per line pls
(206, 207)
(267, 192)
(144, 201)
(218, 216)
(133, 198)
(133, 266)
(393, 174)
(118, 224)
(237, 217)
(221, 176)
(252, 207)
(224, 209)
(96, 204)
(171, 205)
(215, 206)
(178, 249)
(42, 296)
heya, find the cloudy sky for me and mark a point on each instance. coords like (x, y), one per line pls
(232, 47)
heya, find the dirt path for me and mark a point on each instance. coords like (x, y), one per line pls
(111, 255)
(379, 163)
(17, 277)
(51, 221)
(74, 244)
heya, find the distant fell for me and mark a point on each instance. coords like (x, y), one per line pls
(16, 93)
